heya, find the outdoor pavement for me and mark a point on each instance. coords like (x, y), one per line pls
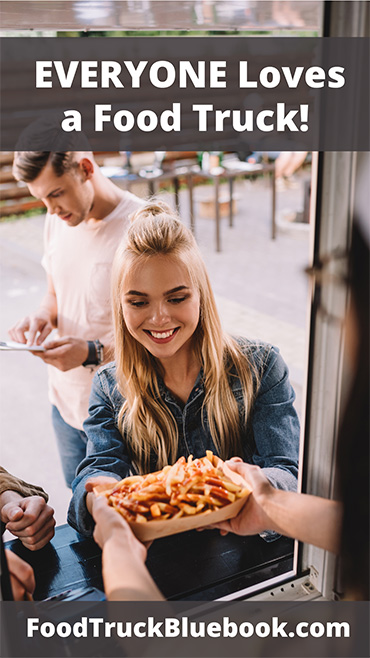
(261, 292)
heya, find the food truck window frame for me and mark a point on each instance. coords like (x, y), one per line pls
(334, 195)
(333, 191)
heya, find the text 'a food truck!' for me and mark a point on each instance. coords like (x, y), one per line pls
(280, 119)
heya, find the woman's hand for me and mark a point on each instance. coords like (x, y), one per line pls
(252, 518)
(22, 579)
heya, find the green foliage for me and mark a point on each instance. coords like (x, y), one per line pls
(28, 213)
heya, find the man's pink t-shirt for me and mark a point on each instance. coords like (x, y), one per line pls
(79, 261)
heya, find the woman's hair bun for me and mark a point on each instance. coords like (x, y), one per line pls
(154, 207)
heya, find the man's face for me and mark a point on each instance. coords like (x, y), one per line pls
(70, 196)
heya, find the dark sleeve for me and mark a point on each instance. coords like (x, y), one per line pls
(276, 425)
(106, 453)
(9, 482)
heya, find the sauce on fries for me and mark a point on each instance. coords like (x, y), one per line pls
(187, 488)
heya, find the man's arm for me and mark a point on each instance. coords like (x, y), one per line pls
(9, 482)
(70, 352)
(24, 510)
(63, 353)
(30, 519)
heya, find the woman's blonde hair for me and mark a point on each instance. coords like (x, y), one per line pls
(147, 423)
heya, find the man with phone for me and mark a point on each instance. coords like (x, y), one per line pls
(87, 217)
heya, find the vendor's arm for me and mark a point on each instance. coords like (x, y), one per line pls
(38, 324)
(125, 575)
(309, 519)
(276, 425)
(106, 452)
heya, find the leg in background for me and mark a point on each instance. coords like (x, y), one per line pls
(71, 445)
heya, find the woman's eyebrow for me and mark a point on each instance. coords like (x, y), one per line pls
(169, 292)
(136, 292)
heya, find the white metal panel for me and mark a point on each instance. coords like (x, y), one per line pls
(328, 376)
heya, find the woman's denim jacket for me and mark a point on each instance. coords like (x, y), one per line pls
(270, 440)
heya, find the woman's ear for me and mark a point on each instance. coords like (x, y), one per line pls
(86, 168)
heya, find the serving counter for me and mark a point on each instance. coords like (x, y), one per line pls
(189, 566)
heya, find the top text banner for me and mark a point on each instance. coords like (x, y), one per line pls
(196, 93)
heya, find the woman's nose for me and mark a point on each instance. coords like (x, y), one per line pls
(160, 314)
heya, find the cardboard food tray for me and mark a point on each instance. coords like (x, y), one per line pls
(156, 529)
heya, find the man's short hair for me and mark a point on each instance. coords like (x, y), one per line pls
(46, 133)
(27, 165)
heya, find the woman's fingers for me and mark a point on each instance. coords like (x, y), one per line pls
(99, 480)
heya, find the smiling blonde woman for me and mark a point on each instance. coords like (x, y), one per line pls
(179, 384)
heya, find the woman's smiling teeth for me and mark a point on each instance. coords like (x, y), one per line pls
(161, 334)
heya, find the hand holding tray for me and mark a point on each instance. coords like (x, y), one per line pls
(161, 526)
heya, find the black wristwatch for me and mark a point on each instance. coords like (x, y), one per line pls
(96, 353)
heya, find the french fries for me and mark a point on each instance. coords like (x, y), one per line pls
(186, 489)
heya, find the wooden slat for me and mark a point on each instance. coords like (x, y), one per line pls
(6, 158)
(17, 208)
(6, 176)
(8, 193)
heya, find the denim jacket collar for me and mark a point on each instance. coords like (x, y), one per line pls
(197, 390)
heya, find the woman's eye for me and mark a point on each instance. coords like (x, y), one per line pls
(137, 304)
(177, 300)
(56, 194)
